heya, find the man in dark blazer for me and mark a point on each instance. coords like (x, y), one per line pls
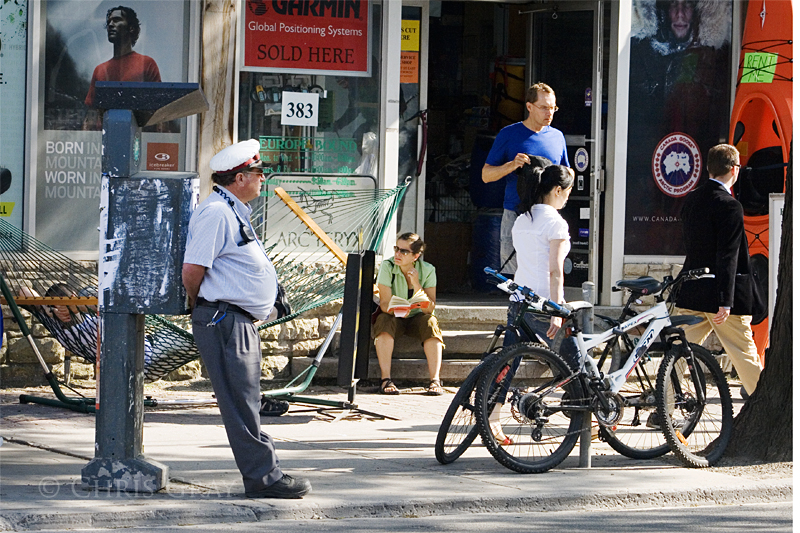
(714, 237)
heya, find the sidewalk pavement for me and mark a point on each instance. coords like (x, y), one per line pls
(359, 466)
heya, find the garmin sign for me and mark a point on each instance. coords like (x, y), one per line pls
(318, 36)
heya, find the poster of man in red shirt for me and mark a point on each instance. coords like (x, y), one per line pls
(123, 28)
(85, 42)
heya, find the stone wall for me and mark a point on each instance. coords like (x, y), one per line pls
(19, 366)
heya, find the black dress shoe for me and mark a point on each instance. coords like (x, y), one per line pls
(743, 394)
(272, 407)
(286, 487)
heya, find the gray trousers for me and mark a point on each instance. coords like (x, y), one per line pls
(507, 242)
(231, 352)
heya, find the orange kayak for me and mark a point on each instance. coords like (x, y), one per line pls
(761, 126)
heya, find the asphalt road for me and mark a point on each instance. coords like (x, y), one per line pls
(771, 517)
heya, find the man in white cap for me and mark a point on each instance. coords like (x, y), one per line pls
(231, 284)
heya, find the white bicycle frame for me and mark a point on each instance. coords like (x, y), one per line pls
(658, 316)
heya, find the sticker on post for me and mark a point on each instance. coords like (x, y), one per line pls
(299, 109)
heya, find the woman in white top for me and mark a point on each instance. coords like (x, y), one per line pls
(541, 241)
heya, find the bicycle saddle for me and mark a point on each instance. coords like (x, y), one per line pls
(577, 305)
(643, 285)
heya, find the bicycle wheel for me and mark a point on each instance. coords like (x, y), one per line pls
(524, 387)
(637, 434)
(695, 407)
(458, 428)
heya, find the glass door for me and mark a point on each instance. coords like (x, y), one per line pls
(567, 54)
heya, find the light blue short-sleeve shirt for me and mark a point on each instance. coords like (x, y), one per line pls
(239, 275)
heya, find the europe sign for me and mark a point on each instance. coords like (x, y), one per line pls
(307, 36)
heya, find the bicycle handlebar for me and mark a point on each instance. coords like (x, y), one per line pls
(547, 306)
(697, 273)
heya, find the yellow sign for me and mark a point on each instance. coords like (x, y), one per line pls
(409, 36)
(6, 208)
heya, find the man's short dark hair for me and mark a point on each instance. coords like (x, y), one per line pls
(223, 179)
(721, 159)
(535, 89)
(133, 21)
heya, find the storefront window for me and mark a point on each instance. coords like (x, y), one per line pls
(410, 67)
(13, 39)
(88, 41)
(345, 139)
(679, 109)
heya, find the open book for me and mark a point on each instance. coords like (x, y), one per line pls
(400, 306)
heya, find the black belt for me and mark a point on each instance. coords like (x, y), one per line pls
(235, 308)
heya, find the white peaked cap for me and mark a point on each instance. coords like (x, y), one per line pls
(237, 157)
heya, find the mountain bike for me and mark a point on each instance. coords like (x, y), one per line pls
(542, 401)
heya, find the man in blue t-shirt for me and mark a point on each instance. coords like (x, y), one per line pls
(532, 136)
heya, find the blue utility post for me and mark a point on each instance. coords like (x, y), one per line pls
(143, 226)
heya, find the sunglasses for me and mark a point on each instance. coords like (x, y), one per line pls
(244, 229)
(402, 251)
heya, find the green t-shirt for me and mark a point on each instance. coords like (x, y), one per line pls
(390, 275)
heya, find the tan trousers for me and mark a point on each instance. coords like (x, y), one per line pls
(736, 338)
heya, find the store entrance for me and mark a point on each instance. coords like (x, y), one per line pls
(482, 57)
(476, 77)
(567, 41)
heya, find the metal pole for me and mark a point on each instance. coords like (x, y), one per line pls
(587, 325)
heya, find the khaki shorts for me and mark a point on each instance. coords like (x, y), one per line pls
(421, 326)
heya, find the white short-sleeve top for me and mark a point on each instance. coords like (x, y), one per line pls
(532, 233)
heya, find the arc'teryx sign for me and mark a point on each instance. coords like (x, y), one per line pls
(311, 36)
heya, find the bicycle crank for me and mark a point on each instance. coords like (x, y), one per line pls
(611, 416)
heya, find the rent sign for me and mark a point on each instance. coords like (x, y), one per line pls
(310, 36)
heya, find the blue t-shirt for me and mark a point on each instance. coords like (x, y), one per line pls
(519, 139)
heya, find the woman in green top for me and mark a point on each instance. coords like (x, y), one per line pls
(403, 276)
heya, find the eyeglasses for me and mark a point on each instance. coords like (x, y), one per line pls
(737, 165)
(547, 108)
(258, 172)
(402, 251)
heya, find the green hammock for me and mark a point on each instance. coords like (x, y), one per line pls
(311, 274)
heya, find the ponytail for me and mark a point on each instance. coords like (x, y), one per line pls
(535, 184)
(529, 180)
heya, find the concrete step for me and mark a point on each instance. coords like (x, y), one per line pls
(471, 317)
(486, 317)
(469, 342)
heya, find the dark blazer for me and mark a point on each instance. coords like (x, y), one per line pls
(714, 237)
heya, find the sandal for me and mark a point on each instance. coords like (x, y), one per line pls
(504, 441)
(387, 387)
(434, 388)
(500, 437)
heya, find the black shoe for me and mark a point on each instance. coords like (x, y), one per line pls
(286, 487)
(743, 394)
(270, 407)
